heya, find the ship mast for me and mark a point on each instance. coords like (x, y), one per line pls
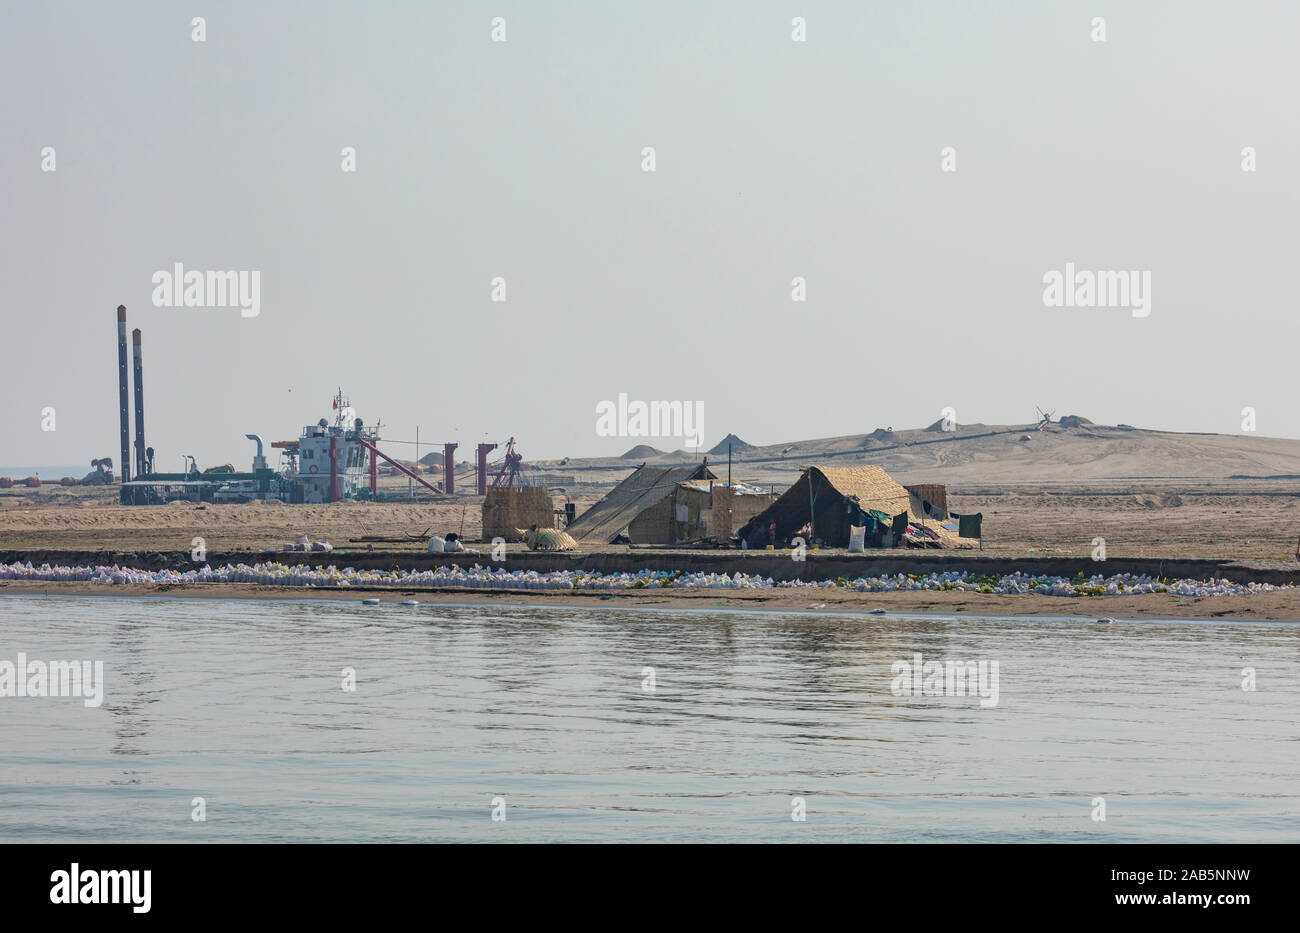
(340, 407)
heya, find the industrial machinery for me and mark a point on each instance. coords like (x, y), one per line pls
(328, 462)
(101, 475)
(144, 485)
(508, 474)
(481, 467)
(331, 462)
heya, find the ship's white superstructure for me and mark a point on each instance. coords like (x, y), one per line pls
(325, 450)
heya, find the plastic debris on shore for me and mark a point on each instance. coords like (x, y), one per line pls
(274, 573)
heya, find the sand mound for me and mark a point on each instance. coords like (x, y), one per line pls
(641, 452)
(736, 444)
(1073, 421)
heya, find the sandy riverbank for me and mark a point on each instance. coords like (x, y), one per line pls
(1280, 606)
(1240, 520)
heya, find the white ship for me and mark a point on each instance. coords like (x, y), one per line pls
(329, 461)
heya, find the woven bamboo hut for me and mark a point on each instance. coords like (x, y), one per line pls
(507, 510)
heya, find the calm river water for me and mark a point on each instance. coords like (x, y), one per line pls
(550, 718)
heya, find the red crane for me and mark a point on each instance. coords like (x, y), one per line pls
(509, 471)
(376, 452)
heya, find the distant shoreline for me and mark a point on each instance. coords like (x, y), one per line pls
(45, 472)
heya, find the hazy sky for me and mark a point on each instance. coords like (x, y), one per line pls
(523, 159)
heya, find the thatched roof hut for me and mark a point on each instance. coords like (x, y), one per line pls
(827, 501)
(646, 487)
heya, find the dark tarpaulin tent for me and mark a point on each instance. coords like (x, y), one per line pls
(834, 499)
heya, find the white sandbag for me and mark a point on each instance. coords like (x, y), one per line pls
(857, 538)
(436, 544)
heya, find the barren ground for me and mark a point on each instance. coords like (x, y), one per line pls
(1243, 519)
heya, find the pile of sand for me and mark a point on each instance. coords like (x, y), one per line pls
(730, 442)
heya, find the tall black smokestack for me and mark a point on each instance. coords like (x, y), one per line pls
(124, 468)
(139, 405)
